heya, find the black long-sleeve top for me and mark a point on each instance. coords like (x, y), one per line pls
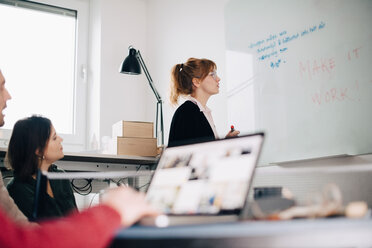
(23, 193)
(189, 125)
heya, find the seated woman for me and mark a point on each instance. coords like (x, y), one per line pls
(35, 145)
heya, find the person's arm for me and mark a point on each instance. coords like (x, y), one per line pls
(92, 228)
(23, 195)
(8, 205)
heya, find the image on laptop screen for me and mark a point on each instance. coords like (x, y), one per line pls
(205, 178)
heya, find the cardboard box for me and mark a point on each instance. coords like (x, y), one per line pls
(134, 129)
(137, 146)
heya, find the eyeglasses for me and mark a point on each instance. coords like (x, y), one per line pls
(213, 74)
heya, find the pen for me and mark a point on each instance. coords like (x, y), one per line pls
(232, 128)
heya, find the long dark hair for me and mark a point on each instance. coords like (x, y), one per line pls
(29, 135)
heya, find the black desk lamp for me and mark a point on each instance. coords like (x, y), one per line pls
(132, 65)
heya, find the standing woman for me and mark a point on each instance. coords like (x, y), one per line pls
(197, 80)
(35, 145)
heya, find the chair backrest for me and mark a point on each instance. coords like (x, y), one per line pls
(40, 193)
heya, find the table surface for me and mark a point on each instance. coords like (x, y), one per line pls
(330, 232)
(103, 158)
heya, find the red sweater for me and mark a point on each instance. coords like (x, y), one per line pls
(92, 228)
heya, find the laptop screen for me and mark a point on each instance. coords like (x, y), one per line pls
(205, 178)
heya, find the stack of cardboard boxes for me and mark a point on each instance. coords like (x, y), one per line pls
(134, 138)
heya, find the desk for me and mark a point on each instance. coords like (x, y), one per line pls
(337, 232)
(102, 162)
(105, 162)
(99, 162)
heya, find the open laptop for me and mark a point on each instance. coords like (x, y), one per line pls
(205, 182)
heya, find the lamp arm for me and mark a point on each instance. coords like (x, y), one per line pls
(159, 106)
(159, 118)
(142, 63)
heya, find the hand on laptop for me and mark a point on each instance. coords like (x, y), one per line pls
(130, 204)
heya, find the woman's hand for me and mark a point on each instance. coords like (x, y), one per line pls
(130, 204)
(232, 134)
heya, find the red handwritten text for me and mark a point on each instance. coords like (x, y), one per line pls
(353, 54)
(312, 68)
(331, 96)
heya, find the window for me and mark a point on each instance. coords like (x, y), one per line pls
(43, 63)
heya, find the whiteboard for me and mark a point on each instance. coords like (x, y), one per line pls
(301, 71)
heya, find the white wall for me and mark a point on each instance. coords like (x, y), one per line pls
(115, 24)
(166, 32)
(178, 30)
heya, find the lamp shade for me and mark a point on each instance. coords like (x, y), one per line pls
(130, 64)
